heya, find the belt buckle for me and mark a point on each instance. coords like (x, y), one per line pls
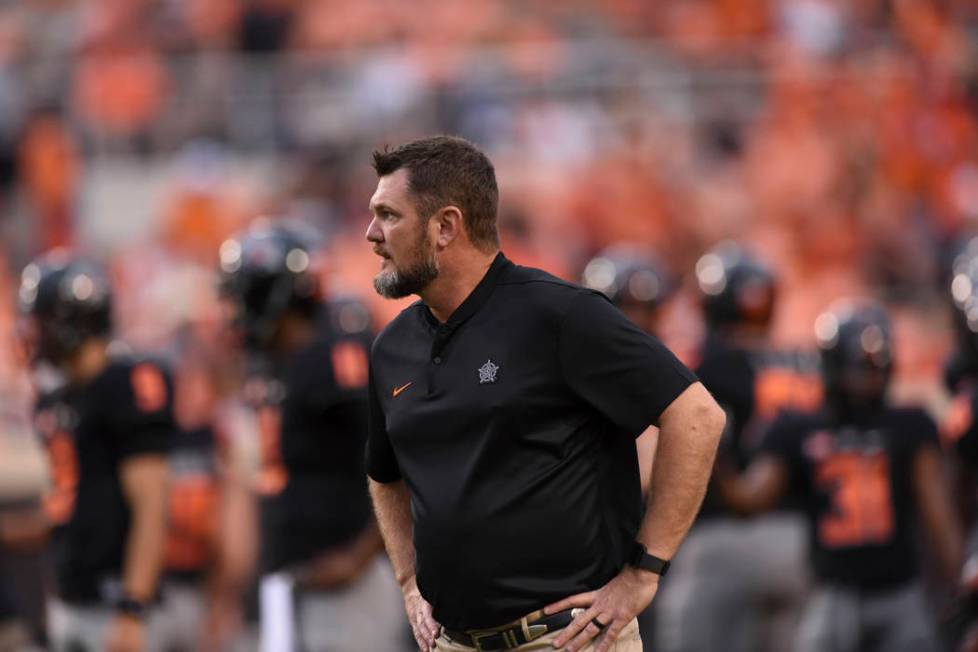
(509, 639)
(476, 638)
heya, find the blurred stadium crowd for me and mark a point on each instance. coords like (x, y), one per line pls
(836, 140)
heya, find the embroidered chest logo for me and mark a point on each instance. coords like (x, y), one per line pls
(398, 390)
(487, 372)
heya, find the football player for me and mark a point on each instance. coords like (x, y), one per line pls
(107, 431)
(869, 473)
(740, 584)
(307, 385)
(959, 429)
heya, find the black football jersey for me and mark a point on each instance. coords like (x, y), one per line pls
(312, 419)
(859, 497)
(959, 428)
(89, 431)
(960, 372)
(754, 387)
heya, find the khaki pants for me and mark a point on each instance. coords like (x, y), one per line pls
(628, 641)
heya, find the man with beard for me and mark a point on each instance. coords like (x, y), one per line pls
(504, 408)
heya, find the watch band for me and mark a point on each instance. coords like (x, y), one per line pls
(131, 607)
(640, 558)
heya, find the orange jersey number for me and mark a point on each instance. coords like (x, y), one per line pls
(60, 501)
(149, 387)
(350, 365)
(777, 389)
(862, 510)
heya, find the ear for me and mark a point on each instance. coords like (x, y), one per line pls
(447, 225)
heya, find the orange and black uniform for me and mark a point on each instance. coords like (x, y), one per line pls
(959, 428)
(753, 387)
(89, 431)
(312, 415)
(859, 499)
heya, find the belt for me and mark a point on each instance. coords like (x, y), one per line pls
(514, 634)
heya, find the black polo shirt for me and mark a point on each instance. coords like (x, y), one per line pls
(513, 426)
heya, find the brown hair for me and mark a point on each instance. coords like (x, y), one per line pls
(445, 170)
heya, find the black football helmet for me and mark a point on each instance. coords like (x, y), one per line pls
(857, 354)
(962, 286)
(266, 272)
(629, 276)
(66, 300)
(737, 289)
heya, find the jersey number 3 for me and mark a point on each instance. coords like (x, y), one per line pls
(862, 510)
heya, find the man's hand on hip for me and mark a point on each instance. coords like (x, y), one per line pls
(606, 611)
(425, 628)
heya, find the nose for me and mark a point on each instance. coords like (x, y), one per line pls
(374, 232)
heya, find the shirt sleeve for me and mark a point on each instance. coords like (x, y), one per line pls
(625, 374)
(146, 425)
(382, 464)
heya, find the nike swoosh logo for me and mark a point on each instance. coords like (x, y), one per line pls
(398, 390)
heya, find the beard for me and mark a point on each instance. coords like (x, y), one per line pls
(399, 283)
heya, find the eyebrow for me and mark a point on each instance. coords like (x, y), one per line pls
(379, 206)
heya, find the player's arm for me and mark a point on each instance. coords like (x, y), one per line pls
(236, 546)
(143, 434)
(757, 489)
(341, 565)
(144, 480)
(935, 508)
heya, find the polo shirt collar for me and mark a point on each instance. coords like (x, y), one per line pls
(479, 295)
